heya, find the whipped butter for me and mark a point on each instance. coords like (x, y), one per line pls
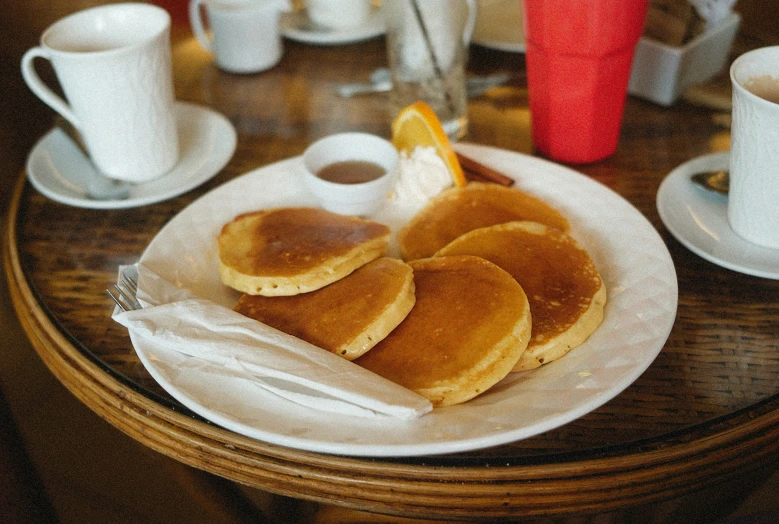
(419, 176)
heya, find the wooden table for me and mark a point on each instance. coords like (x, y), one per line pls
(707, 409)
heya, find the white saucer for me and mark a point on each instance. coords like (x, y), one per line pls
(699, 220)
(207, 140)
(499, 26)
(296, 26)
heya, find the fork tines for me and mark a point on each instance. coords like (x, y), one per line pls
(130, 282)
(124, 295)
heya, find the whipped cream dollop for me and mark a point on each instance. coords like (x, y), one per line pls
(419, 176)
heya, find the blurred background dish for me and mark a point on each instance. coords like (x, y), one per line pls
(662, 72)
(499, 25)
(297, 26)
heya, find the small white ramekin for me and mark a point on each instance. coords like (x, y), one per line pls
(350, 199)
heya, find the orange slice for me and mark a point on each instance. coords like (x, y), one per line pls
(418, 125)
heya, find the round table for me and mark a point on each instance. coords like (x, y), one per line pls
(706, 410)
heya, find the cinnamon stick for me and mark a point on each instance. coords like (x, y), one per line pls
(478, 172)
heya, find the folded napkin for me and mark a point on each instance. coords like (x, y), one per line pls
(244, 348)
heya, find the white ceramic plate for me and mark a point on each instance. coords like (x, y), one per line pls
(296, 26)
(499, 25)
(699, 220)
(633, 260)
(207, 140)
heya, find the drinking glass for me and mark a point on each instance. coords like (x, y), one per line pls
(427, 50)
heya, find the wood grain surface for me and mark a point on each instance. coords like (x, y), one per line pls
(705, 411)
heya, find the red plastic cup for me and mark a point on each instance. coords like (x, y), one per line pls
(578, 56)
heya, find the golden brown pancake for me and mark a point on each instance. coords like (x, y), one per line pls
(462, 209)
(467, 330)
(349, 316)
(286, 251)
(566, 293)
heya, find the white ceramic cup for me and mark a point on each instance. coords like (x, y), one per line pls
(350, 199)
(338, 14)
(245, 35)
(113, 63)
(753, 200)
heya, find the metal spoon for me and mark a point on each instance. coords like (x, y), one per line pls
(717, 181)
(98, 186)
(380, 82)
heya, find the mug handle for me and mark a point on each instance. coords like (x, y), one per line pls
(43, 91)
(196, 20)
(471, 22)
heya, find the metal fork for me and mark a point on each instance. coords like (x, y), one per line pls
(123, 293)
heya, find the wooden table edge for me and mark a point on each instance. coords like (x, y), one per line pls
(609, 482)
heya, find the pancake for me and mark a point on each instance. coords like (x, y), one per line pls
(462, 209)
(565, 290)
(286, 251)
(467, 330)
(349, 316)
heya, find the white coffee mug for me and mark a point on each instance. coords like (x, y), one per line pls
(245, 35)
(753, 199)
(338, 14)
(113, 63)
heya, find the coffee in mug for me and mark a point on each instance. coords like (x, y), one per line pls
(766, 87)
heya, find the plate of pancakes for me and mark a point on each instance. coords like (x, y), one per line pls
(636, 293)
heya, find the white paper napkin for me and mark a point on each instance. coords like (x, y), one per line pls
(244, 348)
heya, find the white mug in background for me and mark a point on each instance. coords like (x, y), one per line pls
(753, 199)
(427, 48)
(113, 64)
(245, 35)
(338, 14)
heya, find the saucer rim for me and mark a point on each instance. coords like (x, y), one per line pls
(732, 247)
(213, 163)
